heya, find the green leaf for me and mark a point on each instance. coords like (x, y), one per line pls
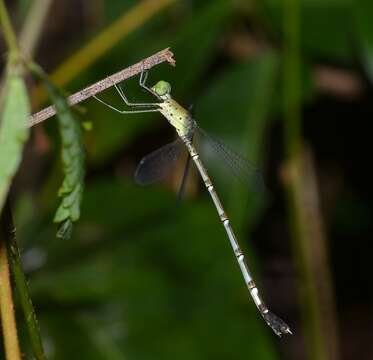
(73, 160)
(325, 27)
(13, 129)
(364, 29)
(197, 42)
(171, 269)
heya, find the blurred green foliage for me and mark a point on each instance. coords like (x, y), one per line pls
(13, 133)
(143, 278)
(72, 158)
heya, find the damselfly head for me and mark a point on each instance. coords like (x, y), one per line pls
(162, 88)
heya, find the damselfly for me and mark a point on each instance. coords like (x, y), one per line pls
(156, 165)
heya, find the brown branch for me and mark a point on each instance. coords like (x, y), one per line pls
(156, 59)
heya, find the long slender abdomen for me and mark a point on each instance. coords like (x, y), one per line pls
(277, 325)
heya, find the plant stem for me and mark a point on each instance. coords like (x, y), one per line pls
(305, 218)
(147, 63)
(11, 42)
(8, 322)
(9, 252)
(21, 282)
(8, 31)
(31, 29)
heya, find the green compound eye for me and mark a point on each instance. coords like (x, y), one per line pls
(162, 88)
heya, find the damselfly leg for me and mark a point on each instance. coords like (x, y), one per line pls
(122, 95)
(127, 102)
(142, 82)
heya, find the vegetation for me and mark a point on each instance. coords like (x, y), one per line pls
(132, 274)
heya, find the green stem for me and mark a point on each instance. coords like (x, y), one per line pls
(9, 248)
(9, 34)
(33, 26)
(21, 282)
(14, 54)
(301, 227)
(8, 322)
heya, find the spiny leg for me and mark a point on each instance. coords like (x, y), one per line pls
(124, 111)
(120, 91)
(124, 98)
(142, 82)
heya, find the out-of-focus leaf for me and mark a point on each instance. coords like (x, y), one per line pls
(196, 44)
(72, 154)
(234, 103)
(13, 128)
(364, 28)
(115, 8)
(260, 93)
(155, 270)
(70, 336)
(325, 27)
(23, 7)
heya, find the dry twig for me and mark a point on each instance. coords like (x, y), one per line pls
(146, 64)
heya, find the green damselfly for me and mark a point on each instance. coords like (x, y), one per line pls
(155, 166)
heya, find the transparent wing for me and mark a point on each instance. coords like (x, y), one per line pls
(240, 167)
(158, 164)
(184, 179)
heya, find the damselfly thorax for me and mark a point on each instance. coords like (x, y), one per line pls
(178, 117)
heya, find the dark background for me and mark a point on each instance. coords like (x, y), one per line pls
(145, 278)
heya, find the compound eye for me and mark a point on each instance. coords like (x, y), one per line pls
(162, 88)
